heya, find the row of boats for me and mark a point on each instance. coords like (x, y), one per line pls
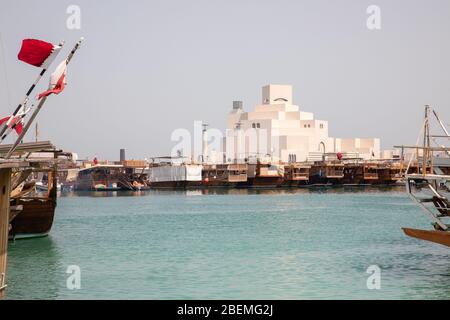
(113, 177)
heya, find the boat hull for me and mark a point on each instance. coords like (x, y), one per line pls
(35, 219)
(436, 236)
(219, 183)
(176, 184)
(265, 182)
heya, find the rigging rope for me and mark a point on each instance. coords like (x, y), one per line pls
(417, 144)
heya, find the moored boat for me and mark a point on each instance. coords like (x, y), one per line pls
(34, 211)
(389, 173)
(296, 174)
(360, 173)
(326, 173)
(109, 177)
(429, 188)
(265, 175)
(179, 176)
(35, 219)
(224, 175)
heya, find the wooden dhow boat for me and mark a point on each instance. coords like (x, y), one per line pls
(32, 212)
(224, 175)
(426, 187)
(296, 174)
(360, 173)
(265, 175)
(327, 172)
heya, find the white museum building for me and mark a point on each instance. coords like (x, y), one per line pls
(280, 130)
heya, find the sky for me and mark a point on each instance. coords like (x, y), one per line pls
(147, 68)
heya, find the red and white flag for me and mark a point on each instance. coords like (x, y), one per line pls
(14, 120)
(38, 53)
(57, 80)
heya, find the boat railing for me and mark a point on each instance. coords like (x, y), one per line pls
(436, 206)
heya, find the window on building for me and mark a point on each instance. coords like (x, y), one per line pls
(321, 126)
(253, 125)
(305, 125)
(258, 125)
(309, 126)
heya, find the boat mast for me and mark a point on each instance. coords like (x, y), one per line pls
(447, 134)
(36, 132)
(426, 141)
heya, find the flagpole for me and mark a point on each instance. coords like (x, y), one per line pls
(4, 125)
(21, 116)
(38, 108)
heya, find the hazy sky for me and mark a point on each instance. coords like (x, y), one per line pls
(149, 67)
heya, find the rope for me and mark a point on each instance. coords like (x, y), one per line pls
(417, 143)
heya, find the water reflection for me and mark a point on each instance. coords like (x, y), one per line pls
(43, 269)
(105, 194)
(240, 191)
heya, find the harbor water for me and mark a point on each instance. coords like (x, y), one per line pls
(232, 244)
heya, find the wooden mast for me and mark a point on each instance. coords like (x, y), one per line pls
(426, 141)
(36, 132)
(5, 186)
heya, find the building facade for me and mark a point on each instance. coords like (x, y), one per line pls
(279, 130)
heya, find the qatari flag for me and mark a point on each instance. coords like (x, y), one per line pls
(38, 53)
(57, 81)
(15, 122)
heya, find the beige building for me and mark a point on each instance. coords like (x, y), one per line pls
(278, 129)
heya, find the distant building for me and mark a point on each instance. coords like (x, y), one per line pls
(279, 130)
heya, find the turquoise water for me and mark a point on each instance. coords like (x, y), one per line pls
(237, 244)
